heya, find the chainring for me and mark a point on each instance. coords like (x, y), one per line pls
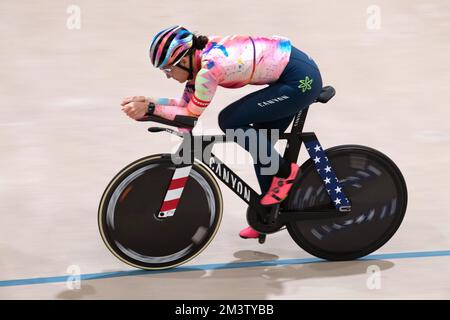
(260, 224)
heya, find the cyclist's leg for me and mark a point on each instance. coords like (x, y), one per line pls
(277, 102)
(281, 124)
(246, 111)
(299, 85)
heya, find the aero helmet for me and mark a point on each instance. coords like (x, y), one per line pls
(170, 45)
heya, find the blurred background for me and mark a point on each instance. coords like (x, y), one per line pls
(66, 65)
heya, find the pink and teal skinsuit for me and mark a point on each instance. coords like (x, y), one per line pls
(293, 79)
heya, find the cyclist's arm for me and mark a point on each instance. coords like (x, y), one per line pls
(188, 90)
(205, 87)
(166, 101)
(197, 101)
(169, 108)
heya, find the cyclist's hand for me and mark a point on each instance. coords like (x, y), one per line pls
(134, 99)
(135, 110)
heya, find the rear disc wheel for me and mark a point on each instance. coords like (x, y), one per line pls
(378, 195)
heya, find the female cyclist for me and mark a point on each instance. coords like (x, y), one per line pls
(293, 80)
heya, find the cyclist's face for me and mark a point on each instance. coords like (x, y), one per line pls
(176, 72)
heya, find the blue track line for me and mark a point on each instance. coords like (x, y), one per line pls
(218, 266)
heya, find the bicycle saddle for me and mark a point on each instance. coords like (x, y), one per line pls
(326, 94)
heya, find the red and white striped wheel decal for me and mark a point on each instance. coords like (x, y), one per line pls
(174, 192)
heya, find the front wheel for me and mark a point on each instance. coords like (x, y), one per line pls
(128, 214)
(378, 195)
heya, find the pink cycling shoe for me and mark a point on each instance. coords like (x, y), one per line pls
(280, 187)
(249, 233)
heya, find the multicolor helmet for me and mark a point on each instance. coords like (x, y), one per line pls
(170, 45)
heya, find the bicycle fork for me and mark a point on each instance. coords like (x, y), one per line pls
(174, 191)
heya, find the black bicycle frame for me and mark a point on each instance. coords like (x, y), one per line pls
(295, 138)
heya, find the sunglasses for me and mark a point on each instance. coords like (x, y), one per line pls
(170, 68)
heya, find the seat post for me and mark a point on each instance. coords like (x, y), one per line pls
(293, 139)
(299, 121)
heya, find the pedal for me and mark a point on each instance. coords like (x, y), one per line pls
(262, 238)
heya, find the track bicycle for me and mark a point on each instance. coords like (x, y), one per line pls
(157, 213)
